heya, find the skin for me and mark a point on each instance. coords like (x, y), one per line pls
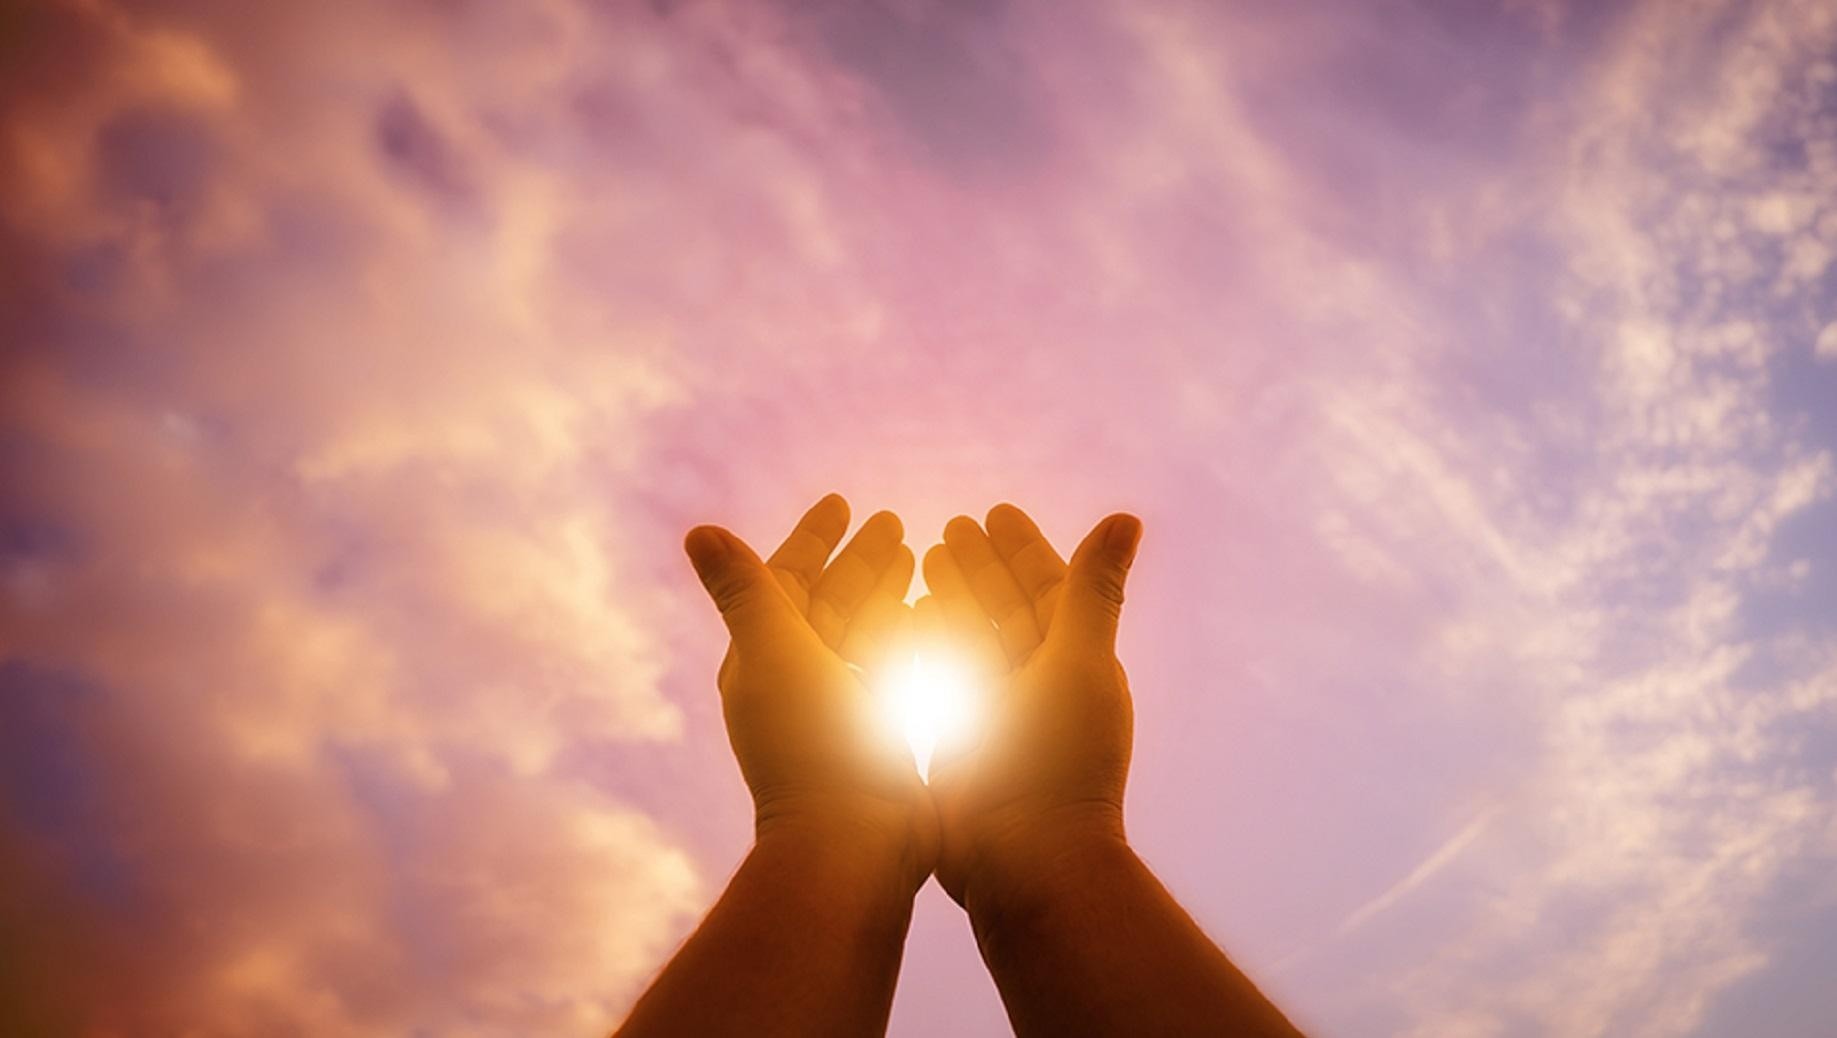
(806, 940)
(1024, 828)
(1079, 936)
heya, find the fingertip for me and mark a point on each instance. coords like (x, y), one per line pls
(707, 544)
(1122, 534)
(718, 545)
(714, 554)
(1114, 538)
(886, 517)
(1011, 530)
(1012, 517)
(959, 527)
(833, 502)
(936, 558)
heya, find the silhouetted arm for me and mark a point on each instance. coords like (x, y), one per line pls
(806, 940)
(1079, 935)
(1085, 940)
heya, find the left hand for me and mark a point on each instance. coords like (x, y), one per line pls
(802, 724)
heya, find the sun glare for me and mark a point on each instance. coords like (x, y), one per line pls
(930, 699)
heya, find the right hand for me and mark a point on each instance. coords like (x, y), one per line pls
(1046, 778)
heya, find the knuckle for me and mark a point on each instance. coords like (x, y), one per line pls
(733, 592)
(1107, 586)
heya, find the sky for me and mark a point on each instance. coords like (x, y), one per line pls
(1473, 368)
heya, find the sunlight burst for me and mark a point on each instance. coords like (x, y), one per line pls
(930, 699)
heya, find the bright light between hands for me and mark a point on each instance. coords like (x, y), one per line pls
(929, 699)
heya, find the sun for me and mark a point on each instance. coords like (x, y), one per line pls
(930, 698)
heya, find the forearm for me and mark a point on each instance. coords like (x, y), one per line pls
(1083, 939)
(806, 940)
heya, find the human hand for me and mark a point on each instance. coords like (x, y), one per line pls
(802, 725)
(1046, 780)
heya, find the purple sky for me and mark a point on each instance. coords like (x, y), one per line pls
(1474, 371)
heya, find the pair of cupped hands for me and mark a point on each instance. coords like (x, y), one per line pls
(1044, 776)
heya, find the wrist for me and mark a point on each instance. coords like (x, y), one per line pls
(857, 838)
(1020, 867)
(1059, 889)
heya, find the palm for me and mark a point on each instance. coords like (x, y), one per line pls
(1057, 741)
(800, 719)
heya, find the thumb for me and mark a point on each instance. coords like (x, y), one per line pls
(743, 589)
(1093, 596)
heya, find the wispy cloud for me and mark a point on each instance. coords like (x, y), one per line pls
(363, 366)
(1419, 875)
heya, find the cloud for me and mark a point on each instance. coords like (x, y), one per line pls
(363, 366)
(315, 584)
(1434, 863)
(1656, 830)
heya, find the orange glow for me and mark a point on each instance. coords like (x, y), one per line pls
(930, 698)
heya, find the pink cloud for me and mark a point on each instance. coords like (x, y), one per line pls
(363, 367)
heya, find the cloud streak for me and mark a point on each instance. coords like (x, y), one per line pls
(1419, 875)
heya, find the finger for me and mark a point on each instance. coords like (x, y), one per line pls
(850, 578)
(874, 629)
(930, 631)
(994, 587)
(752, 602)
(927, 624)
(1093, 598)
(1038, 570)
(798, 562)
(971, 633)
